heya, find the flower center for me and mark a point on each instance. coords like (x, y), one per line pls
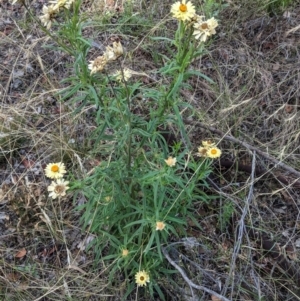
(59, 189)
(204, 26)
(142, 278)
(55, 168)
(183, 8)
(214, 151)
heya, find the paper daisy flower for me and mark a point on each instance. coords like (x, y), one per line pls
(55, 170)
(62, 3)
(48, 15)
(125, 253)
(213, 152)
(208, 143)
(202, 151)
(108, 199)
(58, 188)
(183, 11)
(98, 64)
(203, 29)
(141, 278)
(113, 52)
(110, 54)
(171, 161)
(118, 49)
(160, 226)
(127, 73)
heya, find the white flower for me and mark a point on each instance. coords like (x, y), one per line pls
(183, 11)
(127, 73)
(208, 143)
(203, 29)
(160, 226)
(55, 170)
(62, 3)
(141, 278)
(171, 161)
(214, 152)
(98, 64)
(48, 15)
(58, 188)
(112, 53)
(118, 48)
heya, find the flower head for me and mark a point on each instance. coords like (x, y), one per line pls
(203, 29)
(160, 226)
(213, 152)
(208, 143)
(48, 15)
(110, 54)
(98, 64)
(183, 11)
(171, 161)
(58, 188)
(118, 49)
(62, 3)
(202, 151)
(113, 52)
(125, 253)
(55, 170)
(108, 199)
(125, 76)
(141, 278)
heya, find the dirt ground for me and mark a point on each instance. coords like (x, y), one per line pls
(250, 234)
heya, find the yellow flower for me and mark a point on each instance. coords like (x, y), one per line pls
(208, 143)
(171, 161)
(55, 170)
(160, 226)
(48, 15)
(141, 278)
(58, 188)
(125, 253)
(183, 11)
(213, 152)
(127, 73)
(203, 29)
(98, 64)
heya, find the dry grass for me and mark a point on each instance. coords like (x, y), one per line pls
(254, 63)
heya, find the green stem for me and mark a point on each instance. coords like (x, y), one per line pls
(129, 122)
(183, 59)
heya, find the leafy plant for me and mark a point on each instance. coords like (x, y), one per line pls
(143, 190)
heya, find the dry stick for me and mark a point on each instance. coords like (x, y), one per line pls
(190, 283)
(241, 227)
(246, 145)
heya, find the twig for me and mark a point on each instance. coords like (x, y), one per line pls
(241, 227)
(246, 145)
(190, 283)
